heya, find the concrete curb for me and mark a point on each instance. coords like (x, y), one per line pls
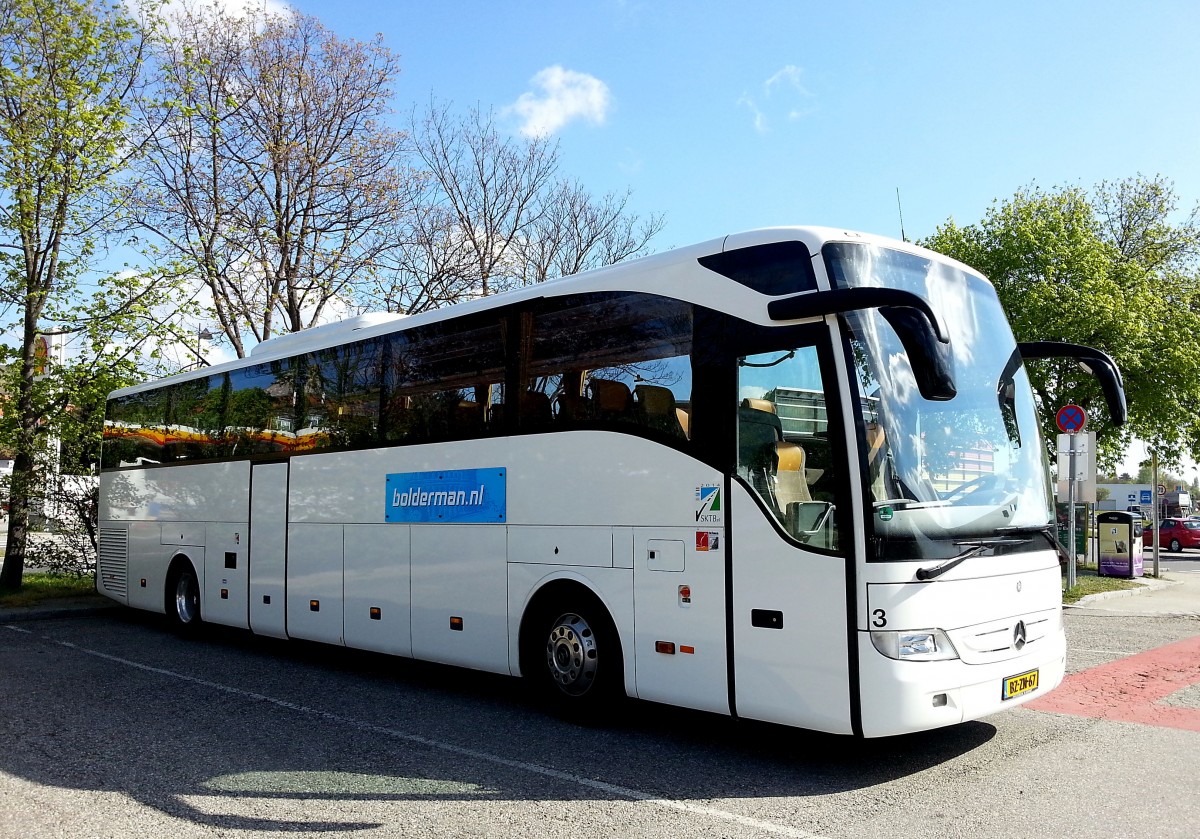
(1144, 585)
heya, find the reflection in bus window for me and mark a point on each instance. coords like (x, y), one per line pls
(966, 468)
(444, 382)
(618, 360)
(344, 385)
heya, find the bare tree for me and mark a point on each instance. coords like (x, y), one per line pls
(491, 215)
(575, 231)
(275, 180)
(488, 187)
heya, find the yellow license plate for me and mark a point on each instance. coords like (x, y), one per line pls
(1020, 684)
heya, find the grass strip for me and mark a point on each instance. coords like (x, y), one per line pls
(38, 588)
(1087, 581)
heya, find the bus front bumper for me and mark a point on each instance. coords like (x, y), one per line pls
(898, 697)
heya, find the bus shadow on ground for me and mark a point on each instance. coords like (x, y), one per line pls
(333, 740)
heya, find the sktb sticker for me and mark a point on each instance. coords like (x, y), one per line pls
(708, 505)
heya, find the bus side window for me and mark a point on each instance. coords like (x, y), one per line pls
(135, 429)
(618, 361)
(343, 391)
(445, 382)
(258, 415)
(783, 447)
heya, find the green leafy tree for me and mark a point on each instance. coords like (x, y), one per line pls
(1113, 269)
(68, 72)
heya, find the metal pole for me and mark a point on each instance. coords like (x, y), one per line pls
(1071, 515)
(1155, 519)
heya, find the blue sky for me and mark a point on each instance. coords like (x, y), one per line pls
(728, 116)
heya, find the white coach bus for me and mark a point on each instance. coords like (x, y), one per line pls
(793, 475)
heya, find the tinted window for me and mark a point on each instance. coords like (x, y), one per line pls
(616, 360)
(196, 418)
(609, 360)
(775, 269)
(444, 381)
(135, 429)
(342, 392)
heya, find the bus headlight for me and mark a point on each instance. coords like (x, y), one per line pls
(915, 645)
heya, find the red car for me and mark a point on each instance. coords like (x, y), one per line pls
(1174, 534)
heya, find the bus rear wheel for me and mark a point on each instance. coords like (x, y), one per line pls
(183, 600)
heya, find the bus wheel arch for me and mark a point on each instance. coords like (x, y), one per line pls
(571, 651)
(181, 597)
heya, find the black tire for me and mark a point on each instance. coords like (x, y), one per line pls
(1175, 547)
(183, 599)
(572, 657)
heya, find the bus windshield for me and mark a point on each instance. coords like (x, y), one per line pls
(972, 467)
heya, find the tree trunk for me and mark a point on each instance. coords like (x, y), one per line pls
(18, 523)
(24, 462)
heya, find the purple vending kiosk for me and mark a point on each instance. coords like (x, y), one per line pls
(1120, 544)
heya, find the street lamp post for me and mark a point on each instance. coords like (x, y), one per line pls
(202, 334)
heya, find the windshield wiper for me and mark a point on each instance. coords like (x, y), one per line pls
(975, 547)
(1046, 531)
(939, 570)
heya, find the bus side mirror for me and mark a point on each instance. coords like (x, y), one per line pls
(932, 364)
(1096, 362)
(920, 328)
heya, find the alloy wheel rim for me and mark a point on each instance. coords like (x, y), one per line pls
(571, 654)
(186, 598)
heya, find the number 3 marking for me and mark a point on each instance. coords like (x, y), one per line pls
(880, 618)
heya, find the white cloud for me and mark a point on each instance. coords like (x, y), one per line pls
(561, 96)
(760, 119)
(172, 10)
(784, 92)
(789, 77)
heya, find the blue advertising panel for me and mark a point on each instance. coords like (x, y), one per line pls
(452, 496)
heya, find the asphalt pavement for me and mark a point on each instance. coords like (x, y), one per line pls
(115, 726)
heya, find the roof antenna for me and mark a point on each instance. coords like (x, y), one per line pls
(903, 238)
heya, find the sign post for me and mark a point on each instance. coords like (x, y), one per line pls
(1071, 419)
(1157, 507)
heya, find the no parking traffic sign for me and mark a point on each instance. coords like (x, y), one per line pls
(1070, 418)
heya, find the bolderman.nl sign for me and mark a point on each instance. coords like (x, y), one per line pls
(451, 496)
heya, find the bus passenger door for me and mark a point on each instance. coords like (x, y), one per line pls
(789, 529)
(268, 548)
(789, 626)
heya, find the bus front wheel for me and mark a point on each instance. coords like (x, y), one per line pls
(574, 657)
(183, 599)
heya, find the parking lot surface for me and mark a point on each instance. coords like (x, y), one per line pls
(113, 726)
